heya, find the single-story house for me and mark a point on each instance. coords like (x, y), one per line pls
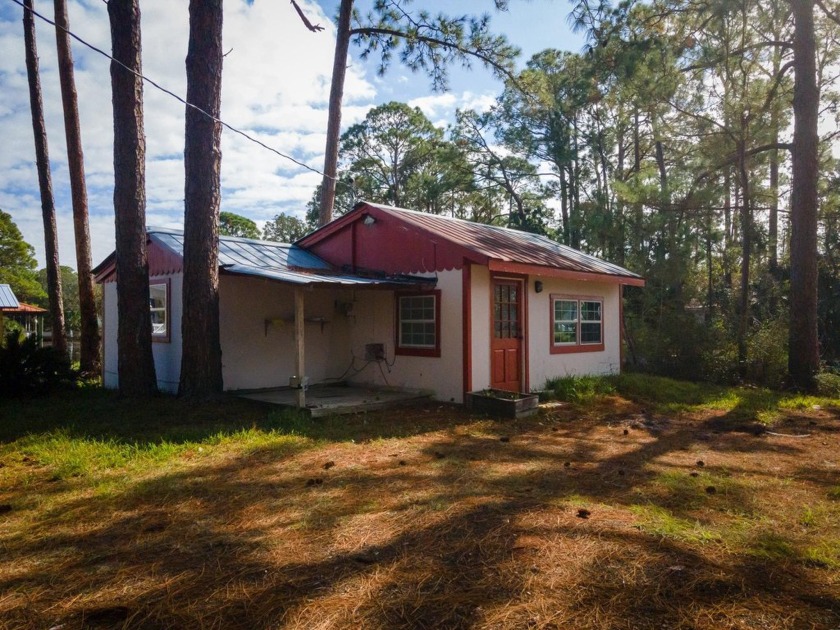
(387, 296)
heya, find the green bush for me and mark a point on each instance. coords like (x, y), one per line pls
(767, 355)
(27, 370)
(579, 389)
(828, 384)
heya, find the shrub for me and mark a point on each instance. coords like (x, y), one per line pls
(767, 362)
(27, 370)
(828, 384)
(579, 389)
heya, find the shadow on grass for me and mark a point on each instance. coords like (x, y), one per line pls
(453, 529)
(103, 415)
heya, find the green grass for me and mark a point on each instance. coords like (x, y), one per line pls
(578, 389)
(825, 555)
(666, 395)
(106, 495)
(771, 546)
(661, 522)
(91, 433)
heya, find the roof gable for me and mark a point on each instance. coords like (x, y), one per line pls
(410, 241)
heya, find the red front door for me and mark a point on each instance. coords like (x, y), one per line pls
(506, 347)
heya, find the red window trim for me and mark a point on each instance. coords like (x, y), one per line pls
(576, 347)
(168, 336)
(416, 352)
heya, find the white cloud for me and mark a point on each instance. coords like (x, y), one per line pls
(275, 86)
(444, 105)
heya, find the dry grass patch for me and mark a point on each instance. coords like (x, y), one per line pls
(616, 514)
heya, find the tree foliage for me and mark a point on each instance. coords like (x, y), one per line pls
(423, 42)
(231, 224)
(284, 228)
(18, 267)
(664, 146)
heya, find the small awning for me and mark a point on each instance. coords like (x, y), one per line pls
(308, 278)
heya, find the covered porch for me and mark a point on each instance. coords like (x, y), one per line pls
(288, 339)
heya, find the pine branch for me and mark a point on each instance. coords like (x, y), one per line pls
(312, 27)
(834, 17)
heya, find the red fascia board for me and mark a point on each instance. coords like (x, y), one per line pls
(566, 274)
(330, 228)
(104, 270)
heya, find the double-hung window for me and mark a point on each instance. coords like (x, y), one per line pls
(418, 324)
(159, 310)
(577, 324)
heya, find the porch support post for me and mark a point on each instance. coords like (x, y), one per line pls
(299, 347)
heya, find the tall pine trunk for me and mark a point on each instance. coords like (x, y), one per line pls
(746, 254)
(201, 358)
(136, 365)
(42, 160)
(90, 352)
(342, 46)
(803, 350)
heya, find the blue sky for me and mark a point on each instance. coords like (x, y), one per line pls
(275, 85)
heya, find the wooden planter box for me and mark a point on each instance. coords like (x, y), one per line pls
(502, 404)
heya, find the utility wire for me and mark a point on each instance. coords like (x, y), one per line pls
(172, 94)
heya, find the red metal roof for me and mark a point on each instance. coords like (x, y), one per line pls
(501, 248)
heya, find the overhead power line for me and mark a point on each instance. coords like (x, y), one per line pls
(173, 94)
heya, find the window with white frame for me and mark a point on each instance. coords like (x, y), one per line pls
(159, 310)
(418, 324)
(577, 323)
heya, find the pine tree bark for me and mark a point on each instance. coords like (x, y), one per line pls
(42, 160)
(201, 359)
(136, 367)
(342, 46)
(746, 254)
(90, 350)
(803, 350)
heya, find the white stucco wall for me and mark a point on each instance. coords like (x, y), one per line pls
(542, 364)
(254, 356)
(480, 315)
(373, 322)
(167, 354)
(110, 378)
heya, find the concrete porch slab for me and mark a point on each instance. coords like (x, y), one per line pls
(331, 400)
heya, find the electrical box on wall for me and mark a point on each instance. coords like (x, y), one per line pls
(375, 352)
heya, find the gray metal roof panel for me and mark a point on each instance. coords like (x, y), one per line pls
(7, 297)
(280, 261)
(245, 251)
